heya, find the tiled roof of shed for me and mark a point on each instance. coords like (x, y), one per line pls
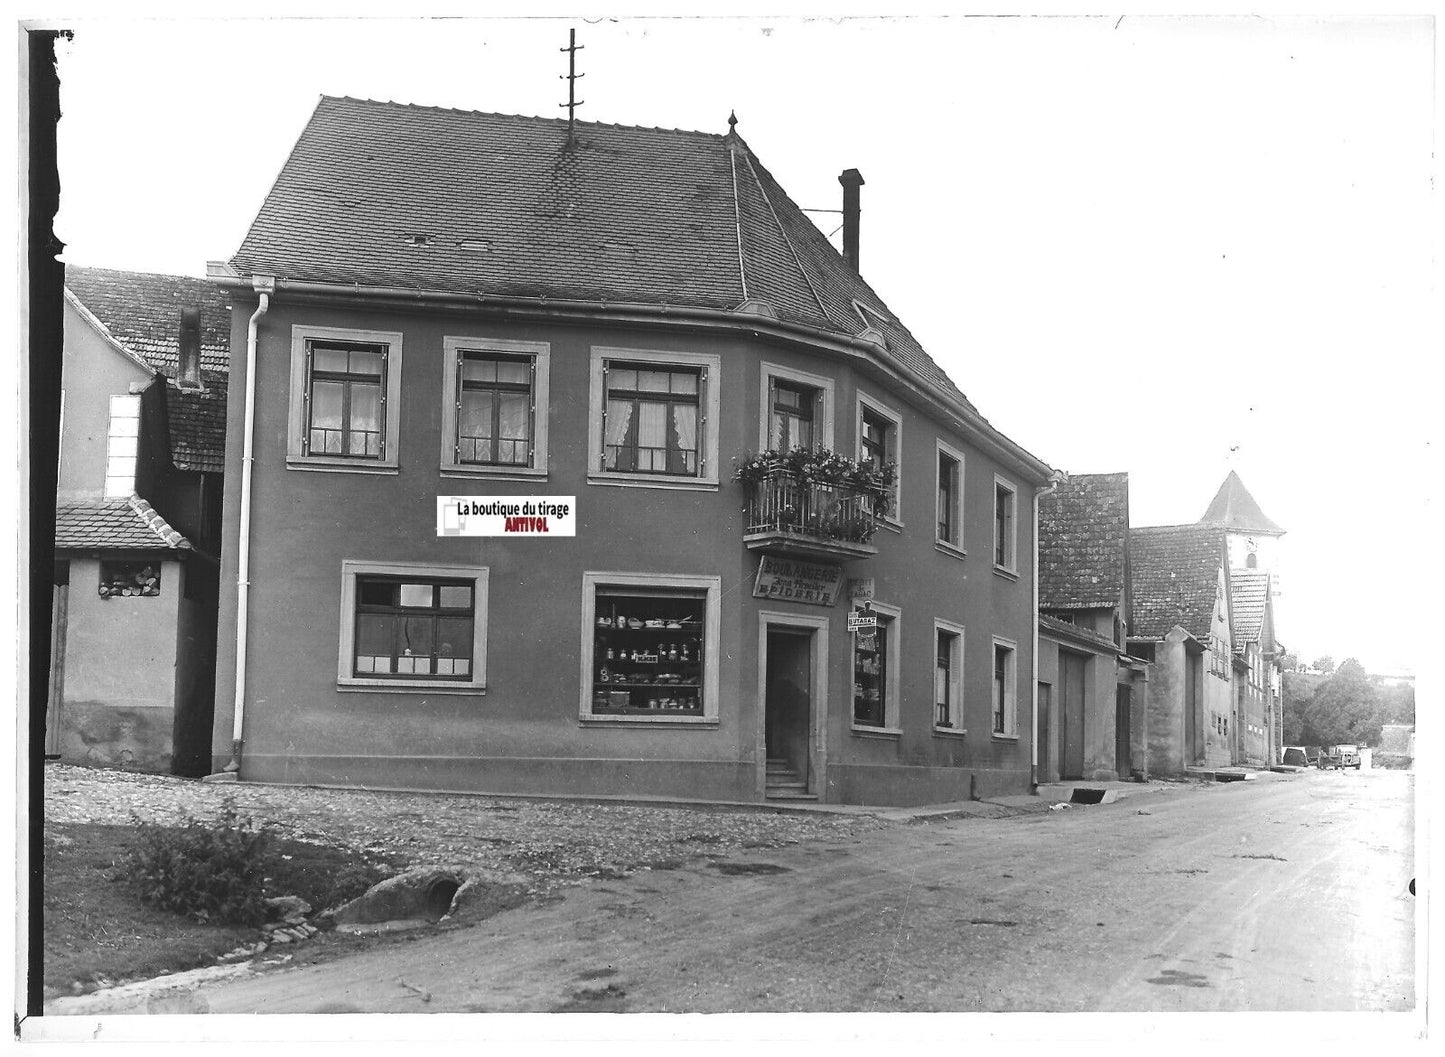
(114, 524)
(1235, 509)
(1063, 628)
(1248, 597)
(387, 194)
(1175, 572)
(142, 311)
(1083, 528)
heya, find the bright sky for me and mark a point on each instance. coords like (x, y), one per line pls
(1169, 246)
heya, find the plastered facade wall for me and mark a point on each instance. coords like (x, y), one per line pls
(1098, 728)
(525, 733)
(91, 372)
(120, 672)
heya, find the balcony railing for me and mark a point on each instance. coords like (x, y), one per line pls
(786, 514)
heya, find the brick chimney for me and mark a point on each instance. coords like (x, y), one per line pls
(851, 179)
(188, 367)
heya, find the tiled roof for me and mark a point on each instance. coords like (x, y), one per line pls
(114, 524)
(1235, 509)
(1248, 597)
(1175, 572)
(141, 311)
(501, 206)
(1083, 529)
(1063, 628)
(197, 422)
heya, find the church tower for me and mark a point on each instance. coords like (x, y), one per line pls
(1253, 538)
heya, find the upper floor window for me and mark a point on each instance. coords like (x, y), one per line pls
(122, 445)
(345, 393)
(345, 399)
(950, 497)
(495, 420)
(654, 417)
(793, 412)
(797, 409)
(880, 442)
(1005, 551)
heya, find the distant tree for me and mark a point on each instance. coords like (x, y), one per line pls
(1397, 704)
(1288, 661)
(1325, 665)
(1345, 708)
(1298, 693)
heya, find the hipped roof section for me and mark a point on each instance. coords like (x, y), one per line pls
(1237, 510)
(460, 202)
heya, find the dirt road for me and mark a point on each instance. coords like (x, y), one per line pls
(1288, 893)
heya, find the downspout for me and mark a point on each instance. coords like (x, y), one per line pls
(1039, 493)
(265, 286)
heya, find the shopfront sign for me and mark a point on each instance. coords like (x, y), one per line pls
(787, 580)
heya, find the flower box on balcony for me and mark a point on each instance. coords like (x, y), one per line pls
(814, 504)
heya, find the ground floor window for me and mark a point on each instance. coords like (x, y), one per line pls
(948, 676)
(413, 626)
(647, 652)
(1005, 679)
(875, 675)
(649, 647)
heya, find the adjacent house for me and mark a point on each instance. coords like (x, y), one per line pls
(138, 520)
(1180, 625)
(639, 324)
(1092, 694)
(1258, 708)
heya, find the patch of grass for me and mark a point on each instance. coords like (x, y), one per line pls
(97, 929)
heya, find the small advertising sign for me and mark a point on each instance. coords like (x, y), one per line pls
(795, 581)
(506, 515)
(860, 589)
(863, 618)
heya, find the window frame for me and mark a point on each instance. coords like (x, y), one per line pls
(297, 457)
(892, 720)
(711, 644)
(1010, 541)
(894, 518)
(122, 408)
(1010, 731)
(944, 450)
(709, 389)
(956, 681)
(540, 353)
(823, 410)
(476, 683)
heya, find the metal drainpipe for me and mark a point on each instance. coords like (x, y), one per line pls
(265, 286)
(1039, 493)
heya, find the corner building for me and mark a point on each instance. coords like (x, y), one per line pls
(435, 302)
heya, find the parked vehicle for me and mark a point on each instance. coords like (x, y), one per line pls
(1312, 756)
(1349, 755)
(1295, 756)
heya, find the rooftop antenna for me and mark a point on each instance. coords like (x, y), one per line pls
(571, 77)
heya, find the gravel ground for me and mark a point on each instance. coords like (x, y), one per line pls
(552, 843)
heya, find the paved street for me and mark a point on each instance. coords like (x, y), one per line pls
(1287, 893)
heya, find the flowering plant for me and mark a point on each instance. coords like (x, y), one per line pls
(821, 466)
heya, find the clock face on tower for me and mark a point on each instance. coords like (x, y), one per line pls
(1250, 544)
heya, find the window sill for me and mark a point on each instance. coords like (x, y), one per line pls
(637, 480)
(1006, 573)
(944, 547)
(890, 524)
(949, 732)
(309, 462)
(588, 720)
(1005, 737)
(495, 473)
(391, 686)
(886, 733)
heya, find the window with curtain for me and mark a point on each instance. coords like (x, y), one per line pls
(495, 413)
(345, 391)
(651, 419)
(792, 410)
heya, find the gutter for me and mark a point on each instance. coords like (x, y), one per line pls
(1055, 479)
(265, 286)
(968, 421)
